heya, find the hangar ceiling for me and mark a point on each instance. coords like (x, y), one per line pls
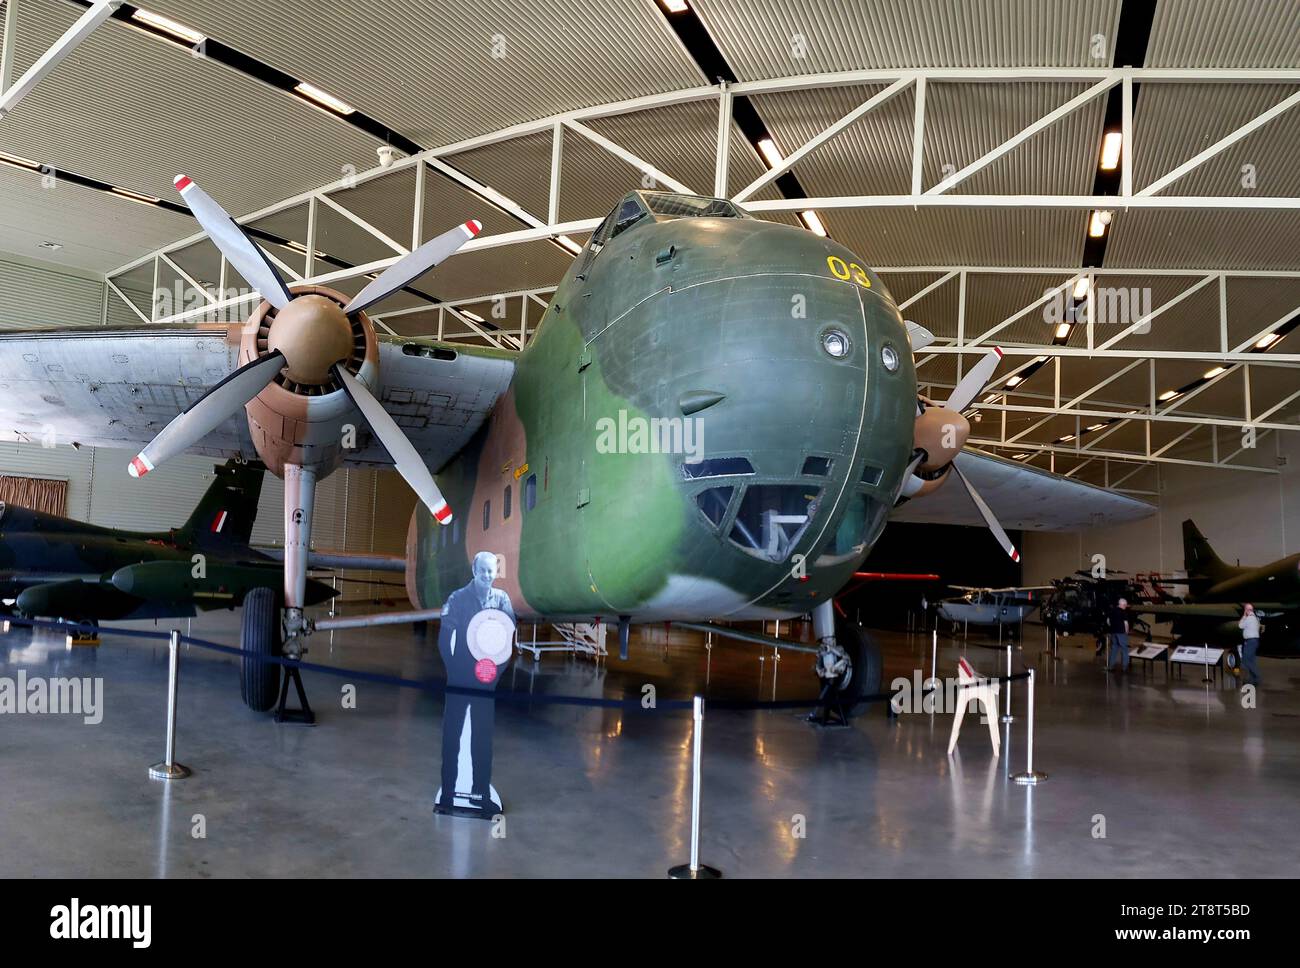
(1010, 97)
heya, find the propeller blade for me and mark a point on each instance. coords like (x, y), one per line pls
(225, 399)
(919, 335)
(410, 267)
(987, 514)
(973, 382)
(409, 463)
(242, 253)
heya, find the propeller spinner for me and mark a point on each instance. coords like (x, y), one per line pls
(941, 433)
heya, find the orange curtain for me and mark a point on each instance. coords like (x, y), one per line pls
(35, 493)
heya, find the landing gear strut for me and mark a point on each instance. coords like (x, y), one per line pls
(849, 665)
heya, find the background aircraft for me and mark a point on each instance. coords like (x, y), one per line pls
(59, 568)
(772, 349)
(1218, 591)
(991, 606)
(1080, 604)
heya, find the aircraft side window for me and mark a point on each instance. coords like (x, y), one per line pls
(505, 505)
(530, 492)
(772, 518)
(487, 514)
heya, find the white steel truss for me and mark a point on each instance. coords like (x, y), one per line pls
(547, 225)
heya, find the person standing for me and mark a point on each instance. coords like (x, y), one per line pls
(474, 681)
(1118, 635)
(1249, 626)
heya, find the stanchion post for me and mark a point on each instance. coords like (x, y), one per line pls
(1006, 715)
(169, 769)
(695, 871)
(1030, 777)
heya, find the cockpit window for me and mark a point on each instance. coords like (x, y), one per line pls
(666, 205)
(717, 467)
(629, 213)
(772, 518)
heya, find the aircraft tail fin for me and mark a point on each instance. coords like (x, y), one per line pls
(228, 508)
(1199, 558)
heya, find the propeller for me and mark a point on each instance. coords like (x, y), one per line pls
(211, 411)
(310, 338)
(941, 433)
(987, 514)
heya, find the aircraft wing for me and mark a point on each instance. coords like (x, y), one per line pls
(119, 388)
(1221, 610)
(1022, 498)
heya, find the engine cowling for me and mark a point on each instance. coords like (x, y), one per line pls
(298, 417)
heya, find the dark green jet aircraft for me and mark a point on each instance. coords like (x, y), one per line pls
(1219, 590)
(59, 568)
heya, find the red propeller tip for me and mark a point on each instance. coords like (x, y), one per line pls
(183, 182)
(998, 350)
(442, 513)
(473, 227)
(1015, 555)
(139, 466)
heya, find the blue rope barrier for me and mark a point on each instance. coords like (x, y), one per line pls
(439, 687)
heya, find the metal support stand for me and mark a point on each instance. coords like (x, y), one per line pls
(302, 716)
(1030, 777)
(695, 871)
(1006, 714)
(169, 769)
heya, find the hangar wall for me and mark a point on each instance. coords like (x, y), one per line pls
(1254, 518)
(356, 510)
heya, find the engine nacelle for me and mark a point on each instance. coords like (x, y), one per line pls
(298, 422)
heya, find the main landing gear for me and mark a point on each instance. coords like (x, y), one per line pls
(260, 682)
(849, 665)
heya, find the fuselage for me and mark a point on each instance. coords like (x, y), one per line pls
(713, 420)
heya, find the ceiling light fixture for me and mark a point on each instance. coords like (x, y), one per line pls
(1081, 287)
(1098, 222)
(1168, 395)
(1213, 372)
(1110, 150)
(675, 6)
(136, 196)
(569, 244)
(1063, 330)
(1265, 342)
(1013, 380)
(471, 316)
(185, 35)
(18, 162)
(770, 152)
(1066, 439)
(323, 98)
(813, 223)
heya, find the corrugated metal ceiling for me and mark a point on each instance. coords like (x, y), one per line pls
(763, 38)
(441, 72)
(1225, 33)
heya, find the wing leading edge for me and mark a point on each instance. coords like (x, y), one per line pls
(1023, 498)
(119, 388)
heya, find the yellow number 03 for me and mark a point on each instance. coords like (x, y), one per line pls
(848, 270)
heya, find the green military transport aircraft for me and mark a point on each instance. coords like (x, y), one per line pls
(714, 420)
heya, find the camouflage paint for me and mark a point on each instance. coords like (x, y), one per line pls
(666, 312)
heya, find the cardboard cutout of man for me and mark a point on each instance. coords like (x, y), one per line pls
(475, 641)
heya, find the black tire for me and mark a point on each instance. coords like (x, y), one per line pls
(260, 634)
(865, 676)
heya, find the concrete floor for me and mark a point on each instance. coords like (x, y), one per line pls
(1188, 782)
